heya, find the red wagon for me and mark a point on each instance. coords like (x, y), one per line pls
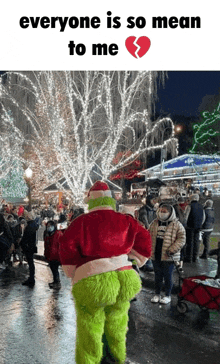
(205, 296)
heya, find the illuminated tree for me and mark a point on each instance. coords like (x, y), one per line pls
(128, 172)
(13, 185)
(11, 144)
(81, 120)
(205, 132)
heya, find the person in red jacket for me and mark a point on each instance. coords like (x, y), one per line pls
(51, 251)
(95, 251)
(20, 210)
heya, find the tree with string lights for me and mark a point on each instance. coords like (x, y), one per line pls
(206, 131)
(82, 120)
(11, 144)
(13, 185)
(128, 172)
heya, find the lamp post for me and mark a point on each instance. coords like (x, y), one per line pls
(28, 174)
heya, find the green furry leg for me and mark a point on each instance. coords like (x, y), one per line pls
(90, 328)
(116, 324)
(102, 304)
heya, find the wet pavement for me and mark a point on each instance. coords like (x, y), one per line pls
(38, 325)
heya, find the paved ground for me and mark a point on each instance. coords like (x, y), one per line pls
(38, 326)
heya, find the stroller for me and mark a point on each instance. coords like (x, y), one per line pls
(195, 291)
(198, 290)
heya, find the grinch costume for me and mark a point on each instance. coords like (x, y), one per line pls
(95, 252)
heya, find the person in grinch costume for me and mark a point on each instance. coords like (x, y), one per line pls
(96, 251)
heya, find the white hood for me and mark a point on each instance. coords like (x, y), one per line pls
(172, 215)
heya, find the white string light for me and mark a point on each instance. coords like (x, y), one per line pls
(83, 119)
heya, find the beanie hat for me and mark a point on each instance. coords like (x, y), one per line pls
(194, 197)
(209, 203)
(99, 189)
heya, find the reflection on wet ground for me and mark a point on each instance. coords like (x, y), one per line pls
(38, 325)
(165, 336)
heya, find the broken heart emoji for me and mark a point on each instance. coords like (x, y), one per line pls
(138, 47)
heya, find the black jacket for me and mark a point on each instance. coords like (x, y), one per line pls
(146, 215)
(28, 241)
(209, 219)
(6, 232)
(196, 216)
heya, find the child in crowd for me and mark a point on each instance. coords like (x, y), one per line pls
(51, 251)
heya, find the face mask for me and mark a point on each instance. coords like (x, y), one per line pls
(164, 215)
(50, 229)
(63, 225)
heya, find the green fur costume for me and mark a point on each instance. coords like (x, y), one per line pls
(94, 252)
(102, 304)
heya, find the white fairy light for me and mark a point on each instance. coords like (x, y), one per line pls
(83, 119)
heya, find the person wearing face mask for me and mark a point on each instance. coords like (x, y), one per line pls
(168, 238)
(51, 251)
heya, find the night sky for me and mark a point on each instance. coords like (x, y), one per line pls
(188, 92)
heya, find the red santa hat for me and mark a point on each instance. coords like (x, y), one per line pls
(99, 189)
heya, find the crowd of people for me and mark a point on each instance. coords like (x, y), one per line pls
(177, 231)
(19, 235)
(98, 251)
(197, 220)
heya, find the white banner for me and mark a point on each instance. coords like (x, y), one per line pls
(115, 35)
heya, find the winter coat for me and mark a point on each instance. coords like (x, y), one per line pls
(20, 211)
(209, 219)
(7, 234)
(182, 213)
(173, 241)
(12, 227)
(28, 241)
(17, 234)
(38, 221)
(51, 245)
(196, 216)
(102, 241)
(146, 215)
